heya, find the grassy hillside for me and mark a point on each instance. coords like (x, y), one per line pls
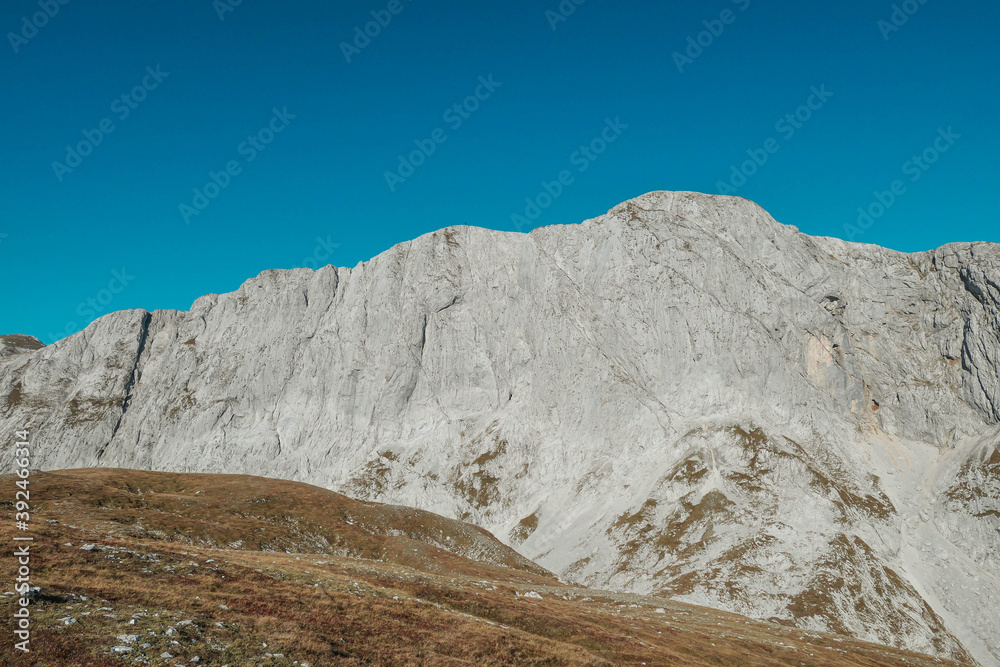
(240, 570)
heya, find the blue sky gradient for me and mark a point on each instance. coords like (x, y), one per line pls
(813, 110)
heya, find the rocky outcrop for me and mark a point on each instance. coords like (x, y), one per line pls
(18, 344)
(681, 396)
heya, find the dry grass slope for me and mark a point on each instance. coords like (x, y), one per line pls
(248, 571)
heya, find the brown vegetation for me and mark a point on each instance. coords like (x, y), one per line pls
(247, 571)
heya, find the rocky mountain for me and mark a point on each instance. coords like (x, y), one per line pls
(681, 397)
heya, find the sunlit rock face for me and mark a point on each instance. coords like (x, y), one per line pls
(681, 396)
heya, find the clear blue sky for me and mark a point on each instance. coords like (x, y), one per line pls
(66, 229)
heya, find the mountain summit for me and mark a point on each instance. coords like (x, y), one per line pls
(681, 397)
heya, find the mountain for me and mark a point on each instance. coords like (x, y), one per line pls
(162, 568)
(681, 397)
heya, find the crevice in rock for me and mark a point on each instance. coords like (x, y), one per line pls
(457, 299)
(423, 338)
(972, 288)
(132, 379)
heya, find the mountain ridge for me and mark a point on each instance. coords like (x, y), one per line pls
(681, 395)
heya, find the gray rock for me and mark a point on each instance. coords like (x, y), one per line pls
(680, 396)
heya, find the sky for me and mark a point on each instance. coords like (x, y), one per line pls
(156, 152)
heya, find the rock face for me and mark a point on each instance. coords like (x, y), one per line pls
(681, 396)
